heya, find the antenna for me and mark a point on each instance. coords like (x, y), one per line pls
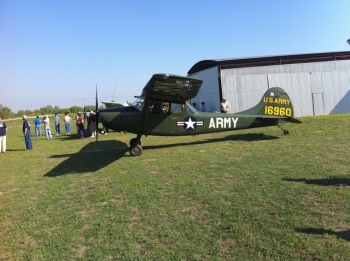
(115, 86)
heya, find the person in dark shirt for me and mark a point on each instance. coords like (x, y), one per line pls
(26, 133)
(3, 132)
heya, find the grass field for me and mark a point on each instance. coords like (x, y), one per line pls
(244, 195)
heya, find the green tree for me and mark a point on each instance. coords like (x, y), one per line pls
(6, 112)
(75, 109)
(89, 108)
(20, 113)
(48, 109)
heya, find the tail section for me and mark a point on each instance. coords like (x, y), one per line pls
(275, 103)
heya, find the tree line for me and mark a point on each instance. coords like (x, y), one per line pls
(6, 113)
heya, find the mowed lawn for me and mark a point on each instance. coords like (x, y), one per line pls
(254, 194)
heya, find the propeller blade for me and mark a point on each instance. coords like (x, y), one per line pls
(96, 121)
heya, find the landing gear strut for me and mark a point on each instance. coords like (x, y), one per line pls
(135, 146)
(285, 132)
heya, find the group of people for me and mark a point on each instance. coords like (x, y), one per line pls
(91, 118)
(47, 128)
(225, 106)
(46, 122)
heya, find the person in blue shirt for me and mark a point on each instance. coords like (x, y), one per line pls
(26, 133)
(37, 123)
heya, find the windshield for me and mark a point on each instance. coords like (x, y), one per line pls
(138, 104)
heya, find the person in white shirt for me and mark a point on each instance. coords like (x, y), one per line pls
(225, 106)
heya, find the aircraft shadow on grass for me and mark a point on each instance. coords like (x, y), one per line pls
(320, 231)
(90, 158)
(238, 137)
(324, 182)
(95, 156)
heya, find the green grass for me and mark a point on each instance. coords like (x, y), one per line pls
(244, 195)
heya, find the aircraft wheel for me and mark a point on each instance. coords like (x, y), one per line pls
(285, 132)
(136, 150)
(102, 132)
(133, 142)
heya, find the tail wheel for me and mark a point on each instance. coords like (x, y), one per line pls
(136, 150)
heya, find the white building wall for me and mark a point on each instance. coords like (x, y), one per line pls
(209, 92)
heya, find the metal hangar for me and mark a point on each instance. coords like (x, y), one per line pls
(317, 83)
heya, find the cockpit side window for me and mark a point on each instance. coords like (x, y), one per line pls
(177, 107)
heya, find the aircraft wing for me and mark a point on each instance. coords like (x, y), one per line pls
(111, 104)
(171, 88)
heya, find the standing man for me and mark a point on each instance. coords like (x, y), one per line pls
(26, 133)
(57, 124)
(67, 121)
(3, 131)
(37, 123)
(225, 106)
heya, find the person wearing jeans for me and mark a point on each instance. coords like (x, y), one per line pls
(37, 123)
(67, 121)
(47, 127)
(26, 133)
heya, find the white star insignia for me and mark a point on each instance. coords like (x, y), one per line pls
(190, 123)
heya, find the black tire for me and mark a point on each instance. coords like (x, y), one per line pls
(136, 150)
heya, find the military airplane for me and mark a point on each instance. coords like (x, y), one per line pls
(164, 109)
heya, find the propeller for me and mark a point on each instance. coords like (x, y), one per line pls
(97, 114)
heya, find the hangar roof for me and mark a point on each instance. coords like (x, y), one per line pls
(269, 60)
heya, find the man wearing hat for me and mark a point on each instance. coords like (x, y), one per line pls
(26, 133)
(225, 106)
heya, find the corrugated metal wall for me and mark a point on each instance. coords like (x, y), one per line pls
(315, 88)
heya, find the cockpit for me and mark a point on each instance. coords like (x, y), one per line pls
(164, 107)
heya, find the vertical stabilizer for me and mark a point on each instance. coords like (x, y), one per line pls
(275, 102)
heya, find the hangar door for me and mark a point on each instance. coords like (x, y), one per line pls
(243, 91)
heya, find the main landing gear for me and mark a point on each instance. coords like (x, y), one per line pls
(285, 132)
(135, 146)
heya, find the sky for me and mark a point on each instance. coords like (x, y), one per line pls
(57, 52)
